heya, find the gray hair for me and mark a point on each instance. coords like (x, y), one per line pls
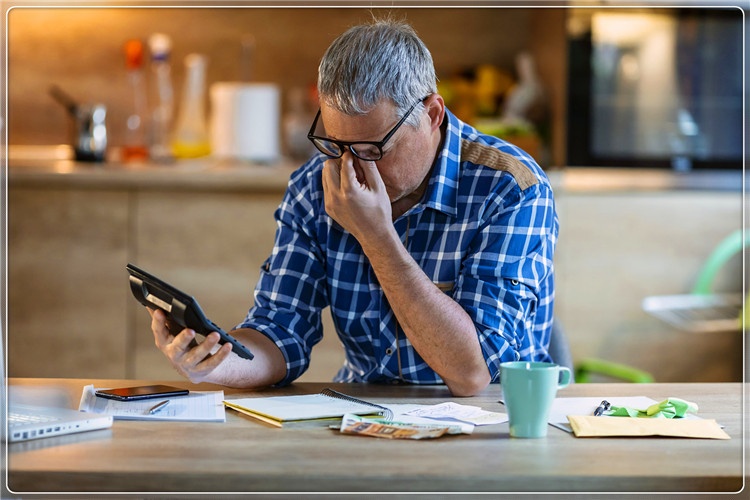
(371, 62)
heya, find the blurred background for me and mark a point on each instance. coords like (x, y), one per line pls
(165, 137)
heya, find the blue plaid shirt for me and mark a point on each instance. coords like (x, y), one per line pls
(484, 232)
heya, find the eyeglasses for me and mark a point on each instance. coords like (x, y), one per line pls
(364, 150)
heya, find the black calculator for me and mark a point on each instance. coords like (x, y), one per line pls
(180, 307)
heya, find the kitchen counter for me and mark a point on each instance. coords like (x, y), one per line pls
(603, 179)
(209, 174)
(42, 166)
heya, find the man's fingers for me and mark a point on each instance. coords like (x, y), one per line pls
(190, 358)
(348, 174)
(210, 361)
(183, 340)
(159, 327)
(332, 172)
(371, 175)
(199, 360)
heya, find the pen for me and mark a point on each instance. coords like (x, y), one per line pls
(157, 407)
(603, 406)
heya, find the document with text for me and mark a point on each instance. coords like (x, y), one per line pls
(204, 406)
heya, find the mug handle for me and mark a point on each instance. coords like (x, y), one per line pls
(566, 377)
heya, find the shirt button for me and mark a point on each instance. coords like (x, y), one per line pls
(389, 351)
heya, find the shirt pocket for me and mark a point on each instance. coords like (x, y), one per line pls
(445, 286)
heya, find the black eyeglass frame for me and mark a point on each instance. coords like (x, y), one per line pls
(344, 145)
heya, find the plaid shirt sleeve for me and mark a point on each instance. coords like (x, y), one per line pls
(502, 206)
(507, 284)
(291, 291)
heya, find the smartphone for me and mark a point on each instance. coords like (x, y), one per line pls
(142, 392)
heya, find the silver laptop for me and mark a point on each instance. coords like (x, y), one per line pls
(26, 422)
(31, 422)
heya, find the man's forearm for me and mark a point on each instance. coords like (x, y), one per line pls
(438, 327)
(266, 368)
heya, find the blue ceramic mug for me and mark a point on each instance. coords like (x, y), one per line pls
(529, 388)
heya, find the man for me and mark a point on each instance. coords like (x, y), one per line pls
(431, 243)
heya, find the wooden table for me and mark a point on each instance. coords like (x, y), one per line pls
(243, 455)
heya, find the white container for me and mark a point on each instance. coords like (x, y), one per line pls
(245, 122)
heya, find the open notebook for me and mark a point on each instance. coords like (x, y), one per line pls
(328, 404)
(26, 421)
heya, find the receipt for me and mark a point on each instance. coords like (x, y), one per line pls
(464, 413)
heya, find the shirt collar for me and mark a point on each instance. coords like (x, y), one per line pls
(442, 189)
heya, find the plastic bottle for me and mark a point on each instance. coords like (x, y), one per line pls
(135, 147)
(163, 100)
(191, 132)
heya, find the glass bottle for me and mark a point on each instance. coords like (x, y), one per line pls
(163, 100)
(191, 132)
(135, 146)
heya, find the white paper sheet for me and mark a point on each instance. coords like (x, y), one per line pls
(464, 413)
(205, 406)
(562, 407)
(453, 414)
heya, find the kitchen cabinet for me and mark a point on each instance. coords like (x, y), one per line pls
(70, 311)
(66, 250)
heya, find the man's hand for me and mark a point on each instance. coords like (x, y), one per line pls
(356, 197)
(192, 360)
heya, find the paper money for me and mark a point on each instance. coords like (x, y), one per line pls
(362, 426)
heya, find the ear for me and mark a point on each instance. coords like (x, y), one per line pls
(435, 106)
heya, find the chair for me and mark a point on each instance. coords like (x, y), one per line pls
(702, 310)
(559, 348)
(594, 366)
(725, 250)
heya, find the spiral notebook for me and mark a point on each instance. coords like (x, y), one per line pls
(328, 404)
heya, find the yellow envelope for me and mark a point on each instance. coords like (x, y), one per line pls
(590, 426)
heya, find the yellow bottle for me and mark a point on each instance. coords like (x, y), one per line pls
(191, 133)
